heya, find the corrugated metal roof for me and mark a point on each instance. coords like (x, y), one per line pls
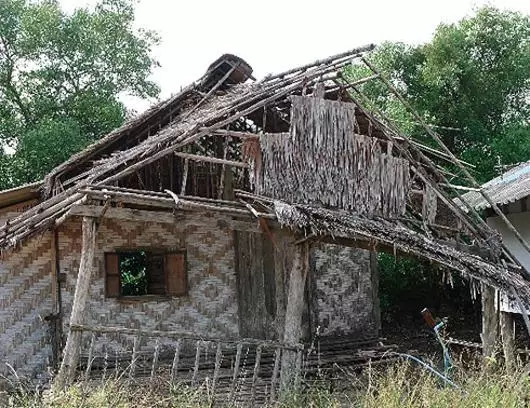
(507, 188)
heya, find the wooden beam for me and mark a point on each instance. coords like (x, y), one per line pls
(161, 217)
(73, 344)
(207, 159)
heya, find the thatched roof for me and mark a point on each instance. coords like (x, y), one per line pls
(240, 112)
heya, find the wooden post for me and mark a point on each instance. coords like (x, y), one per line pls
(73, 343)
(55, 319)
(508, 341)
(490, 321)
(293, 317)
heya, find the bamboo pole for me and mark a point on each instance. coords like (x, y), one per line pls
(218, 359)
(90, 356)
(275, 372)
(73, 344)
(155, 359)
(183, 335)
(349, 54)
(236, 372)
(206, 159)
(175, 365)
(197, 362)
(136, 347)
(462, 168)
(255, 375)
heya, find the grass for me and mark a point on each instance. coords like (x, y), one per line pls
(400, 385)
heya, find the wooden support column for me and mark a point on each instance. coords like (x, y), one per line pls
(56, 318)
(293, 316)
(508, 340)
(73, 343)
(490, 321)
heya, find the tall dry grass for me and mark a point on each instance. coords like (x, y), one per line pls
(397, 386)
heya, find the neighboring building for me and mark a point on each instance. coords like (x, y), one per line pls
(511, 192)
(234, 209)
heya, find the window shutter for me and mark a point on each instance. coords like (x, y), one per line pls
(112, 275)
(155, 272)
(176, 275)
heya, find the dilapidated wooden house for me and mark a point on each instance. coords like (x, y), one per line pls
(235, 209)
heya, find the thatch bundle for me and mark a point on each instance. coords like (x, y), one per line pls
(322, 161)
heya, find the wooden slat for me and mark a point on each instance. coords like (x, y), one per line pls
(112, 275)
(176, 276)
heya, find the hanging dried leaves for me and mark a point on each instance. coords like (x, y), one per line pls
(322, 161)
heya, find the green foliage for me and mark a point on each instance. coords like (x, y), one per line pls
(133, 273)
(474, 75)
(60, 79)
(407, 285)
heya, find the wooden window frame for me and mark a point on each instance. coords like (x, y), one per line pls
(165, 253)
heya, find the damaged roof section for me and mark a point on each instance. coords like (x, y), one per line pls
(304, 138)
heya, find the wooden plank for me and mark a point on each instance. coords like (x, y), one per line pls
(490, 321)
(508, 340)
(176, 276)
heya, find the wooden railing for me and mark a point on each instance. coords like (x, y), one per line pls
(234, 370)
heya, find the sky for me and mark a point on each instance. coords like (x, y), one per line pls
(275, 35)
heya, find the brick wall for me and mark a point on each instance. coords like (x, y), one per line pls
(343, 300)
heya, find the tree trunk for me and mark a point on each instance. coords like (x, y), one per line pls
(73, 344)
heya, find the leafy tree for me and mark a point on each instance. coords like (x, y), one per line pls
(475, 76)
(60, 79)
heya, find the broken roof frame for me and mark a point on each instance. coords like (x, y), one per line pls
(171, 126)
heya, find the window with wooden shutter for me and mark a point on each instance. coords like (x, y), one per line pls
(176, 276)
(112, 275)
(145, 272)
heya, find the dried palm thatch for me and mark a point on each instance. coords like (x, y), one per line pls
(322, 152)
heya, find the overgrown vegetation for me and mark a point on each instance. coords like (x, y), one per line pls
(471, 81)
(61, 76)
(407, 285)
(133, 273)
(399, 385)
